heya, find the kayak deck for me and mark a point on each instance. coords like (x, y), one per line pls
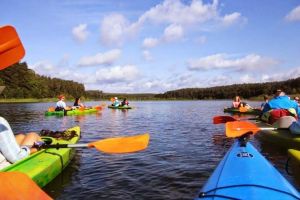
(245, 174)
(283, 138)
(120, 107)
(248, 112)
(44, 165)
(71, 112)
(294, 156)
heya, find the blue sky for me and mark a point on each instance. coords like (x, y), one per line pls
(154, 46)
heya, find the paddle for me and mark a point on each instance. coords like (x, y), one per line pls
(225, 119)
(11, 48)
(239, 128)
(16, 185)
(127, 144)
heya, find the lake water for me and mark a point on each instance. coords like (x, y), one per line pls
(184, 149)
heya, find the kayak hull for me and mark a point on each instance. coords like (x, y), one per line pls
(237, 111)
(71, 112)
(44, 165)
(120, 107)
(294, 156)
(245, 174)
(282, 138)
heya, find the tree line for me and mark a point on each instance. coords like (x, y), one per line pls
(291, 86)
(21, 82)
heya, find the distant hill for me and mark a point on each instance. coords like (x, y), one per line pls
(249, 90)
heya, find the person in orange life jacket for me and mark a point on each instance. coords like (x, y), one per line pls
(124, 102)
(236, 102)
(279, 106)
(15, 147)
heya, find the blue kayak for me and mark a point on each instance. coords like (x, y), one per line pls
(245, 174)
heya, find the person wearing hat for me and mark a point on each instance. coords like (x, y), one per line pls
(116, 102)
(281, 105)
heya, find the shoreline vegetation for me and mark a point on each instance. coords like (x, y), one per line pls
(19, 84)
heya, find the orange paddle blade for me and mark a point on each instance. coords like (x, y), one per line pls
(223, 119)
(239, 128)
(51, 109)
(122, 144)
(11, 48)
(16, 185)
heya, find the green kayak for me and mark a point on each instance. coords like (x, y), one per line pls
(294, 156)
(238, 111)
(72, 112)
(282, 137)
(44, 165)
(120, 107)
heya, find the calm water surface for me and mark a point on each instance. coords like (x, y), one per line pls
(184, 149)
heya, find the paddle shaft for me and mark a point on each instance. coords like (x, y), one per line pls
(57, 146)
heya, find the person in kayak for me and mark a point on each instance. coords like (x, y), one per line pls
(61, 105)
(116, 102)
(281, 105)
(236, 102)
(77, 103)
(296, 99)
(124, 102)
(266, 99)
(15, 147)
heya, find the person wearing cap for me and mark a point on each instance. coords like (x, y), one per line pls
(61, 105)
(279, 106)
(116, 102)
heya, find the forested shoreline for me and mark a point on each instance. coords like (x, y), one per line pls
(23, 83)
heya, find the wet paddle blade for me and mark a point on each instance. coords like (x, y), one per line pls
(11, 48)
(243, 109)
(122, 144)
(16, 185)
(223, 119)
(239, 128)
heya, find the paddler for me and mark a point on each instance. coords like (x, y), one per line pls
(15, 147)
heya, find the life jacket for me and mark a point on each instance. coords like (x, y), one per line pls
(273, 115)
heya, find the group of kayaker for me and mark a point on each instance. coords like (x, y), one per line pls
(61, 105)
(280, 111)
(116, 103)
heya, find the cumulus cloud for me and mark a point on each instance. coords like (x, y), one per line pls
(176, 15)
(80, 32)
(281, 76)
(223, 61)
(117, 74)
(293, 15)
(106, 58)
(115, 29)
(173, 32)
(150, 42)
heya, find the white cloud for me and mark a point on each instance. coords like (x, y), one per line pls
(106, 58)
(233, 18)
(117, 74)
(115, 29)
(281, 76)
(294, 15)
(223, 61)
(147, 55)
(80, 32)
(173, 32)
(150, 42)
